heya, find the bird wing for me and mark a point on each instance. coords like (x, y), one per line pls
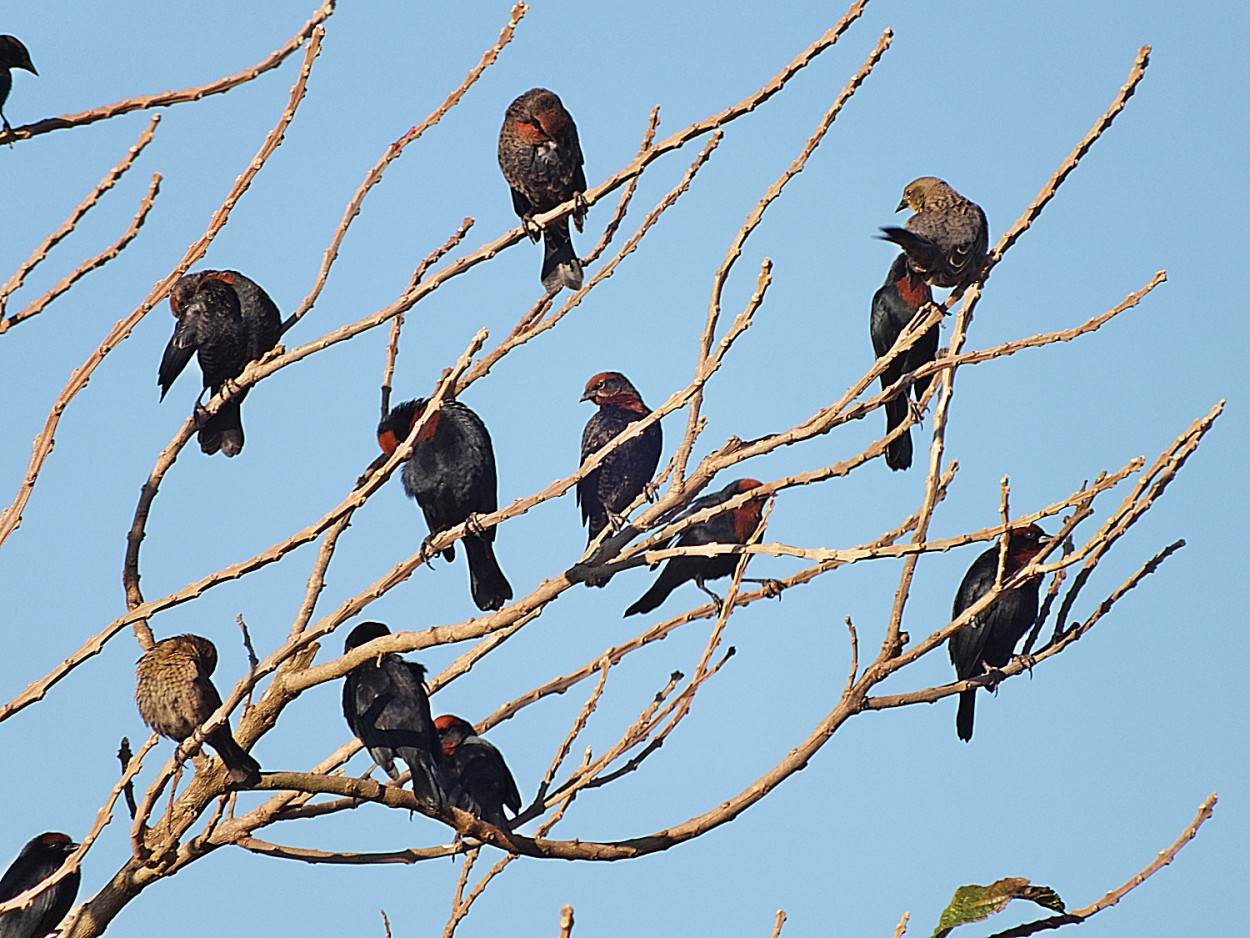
(483, 766)
(177, 353)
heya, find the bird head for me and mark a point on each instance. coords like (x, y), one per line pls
(53, 843)
(923, 192)
(363, 633)
(203, 651)
(395, 426)
(538, 117)
(611, 387)
(182, 292)
(1025, 544)
(452, 731)
(13, 54)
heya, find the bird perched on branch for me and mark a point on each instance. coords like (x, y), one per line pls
(39, 859)
(228, 321)
(542, 161)
(990, 639)
(946, 239)
(729, 527)
(451, 474)
(607, 491)
(386, 706)
(12, 55)
(480, 779)
(175, 694)
(893, 307)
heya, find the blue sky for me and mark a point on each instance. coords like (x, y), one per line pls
(1076, 777)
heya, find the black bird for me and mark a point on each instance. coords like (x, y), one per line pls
(622, 476)
(13, 55)
(385, 704)
(990, 639)
(227, 320)
(893, 307)
(39, 859)
(451, 474)
(480, 778)
(729, 527)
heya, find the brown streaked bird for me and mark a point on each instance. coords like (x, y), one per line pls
(175, 694)
(990, 639)
(608, 490)
(729, 527)
(946, 239)
(541, 159)
(12, 55)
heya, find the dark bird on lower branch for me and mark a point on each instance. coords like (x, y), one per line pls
(947, 239)
(729, 527)
(990, 639)
(386, 706)
(12, 55)
(541, 159)
(478, 776)
(607, 491)
(893, 307)
(175, 694)
(451, 474)
(227, 321)
(39, 859)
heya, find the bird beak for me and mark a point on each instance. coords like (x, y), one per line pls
(902, 204)
(588, 396)
(33, 72)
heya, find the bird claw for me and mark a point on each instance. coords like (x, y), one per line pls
(530, 227)
(651, 491)
(427, 551)
(200, 415)
(473, 526)
(615, 522)
(1027, 662)
(772, 588)
(917, 412)
(716, 600)
(579, 209)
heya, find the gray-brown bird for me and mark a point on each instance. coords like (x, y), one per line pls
(12, 55)
(947, 238)
(175, 694)
(541, 159)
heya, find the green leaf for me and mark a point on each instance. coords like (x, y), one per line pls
(976, 903)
